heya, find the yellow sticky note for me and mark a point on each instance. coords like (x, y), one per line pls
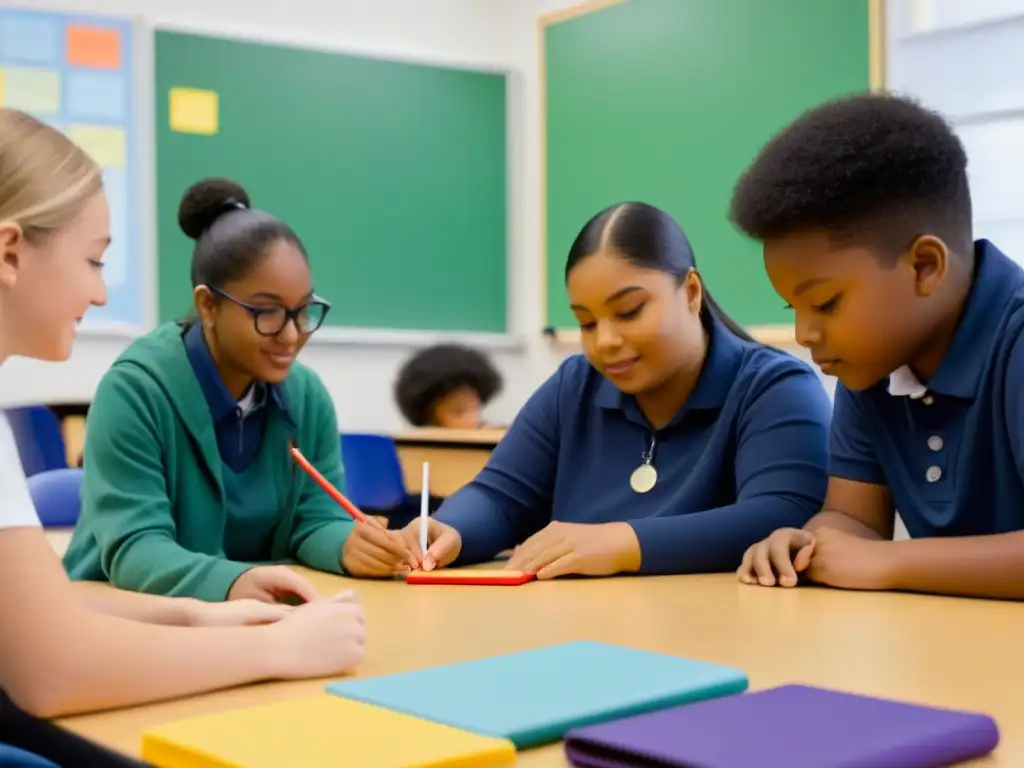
(36, 91)
(106, 145)
(194, 111)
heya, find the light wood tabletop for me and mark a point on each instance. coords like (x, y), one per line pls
(941, 651)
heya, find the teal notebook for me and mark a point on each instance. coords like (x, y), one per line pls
(534, 697)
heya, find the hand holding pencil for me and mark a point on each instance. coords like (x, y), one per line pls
(370, 549)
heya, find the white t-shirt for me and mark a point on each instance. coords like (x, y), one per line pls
(16, 507)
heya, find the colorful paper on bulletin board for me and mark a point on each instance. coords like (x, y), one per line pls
(75, 72)
(94, 47)
(105, 144)
(36, 91)
(194, 111)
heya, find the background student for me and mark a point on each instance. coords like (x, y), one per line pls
(864, 209)
(670, 447)
(54, 229)
(446, 385)
(189, 482)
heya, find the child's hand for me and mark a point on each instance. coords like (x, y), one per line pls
(560, 549)
(774, 560)
(846, 561)
(236, 613)
(272, 584)
(827, 556)
(374, 551)
(326, 637)
(443, 544)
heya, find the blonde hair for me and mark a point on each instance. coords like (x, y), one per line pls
(45, 178)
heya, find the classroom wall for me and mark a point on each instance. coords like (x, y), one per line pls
(469, 32)
(483, 32)
(963, 59)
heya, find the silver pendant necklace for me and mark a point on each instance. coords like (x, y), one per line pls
(645, 477)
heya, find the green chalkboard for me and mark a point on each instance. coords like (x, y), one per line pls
(392, 173)
(667, 101)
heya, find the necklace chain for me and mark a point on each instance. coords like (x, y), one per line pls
(648, 455)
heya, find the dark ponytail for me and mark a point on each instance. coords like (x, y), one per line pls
(650, 238)
(710, 310)
(230, 236)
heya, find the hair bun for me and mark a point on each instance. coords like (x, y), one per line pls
(206, 201)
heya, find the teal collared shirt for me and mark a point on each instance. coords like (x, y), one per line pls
(158, 503)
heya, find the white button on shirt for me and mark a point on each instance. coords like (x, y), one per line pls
(903, 383)
(16, 508)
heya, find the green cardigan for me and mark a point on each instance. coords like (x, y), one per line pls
(153, 501)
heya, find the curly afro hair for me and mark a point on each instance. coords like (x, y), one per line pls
(872, 168)
(436, 372)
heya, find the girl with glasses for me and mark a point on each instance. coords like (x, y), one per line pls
(189, 486)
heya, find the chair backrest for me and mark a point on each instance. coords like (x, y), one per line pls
(14, 757)
(40, 441)
(56, 495)
(373, 474)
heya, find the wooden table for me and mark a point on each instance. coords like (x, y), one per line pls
(942, 651)
(455, 456)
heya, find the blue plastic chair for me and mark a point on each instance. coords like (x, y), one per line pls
(56, 496)
(373, 474)
(13, 757)
(40, 440)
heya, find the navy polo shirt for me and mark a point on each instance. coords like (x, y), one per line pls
(747, 454)
(238, 424)
(951, 450)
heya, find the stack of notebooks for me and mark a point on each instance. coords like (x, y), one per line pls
(614, 707)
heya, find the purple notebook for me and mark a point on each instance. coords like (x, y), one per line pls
(793, 726)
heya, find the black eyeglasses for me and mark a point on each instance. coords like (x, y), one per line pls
(270, 321)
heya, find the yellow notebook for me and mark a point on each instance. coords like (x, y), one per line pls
(319, 732)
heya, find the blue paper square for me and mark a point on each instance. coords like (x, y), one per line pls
(95, 95)
(27, 38)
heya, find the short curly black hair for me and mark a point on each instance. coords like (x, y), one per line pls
(876, 169)
(437, 371)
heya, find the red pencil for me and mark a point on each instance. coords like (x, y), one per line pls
(337, 495)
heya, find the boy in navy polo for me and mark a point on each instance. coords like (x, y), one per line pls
(864, 210)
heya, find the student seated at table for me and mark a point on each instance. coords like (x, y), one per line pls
(864, 209)
(672, 444)
(60, 653)
(189, 482)
(446, 385)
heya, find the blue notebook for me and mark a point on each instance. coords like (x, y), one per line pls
(534, 697)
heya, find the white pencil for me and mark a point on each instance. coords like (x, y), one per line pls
(424, 507)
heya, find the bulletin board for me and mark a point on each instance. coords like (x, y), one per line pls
(76, 73)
